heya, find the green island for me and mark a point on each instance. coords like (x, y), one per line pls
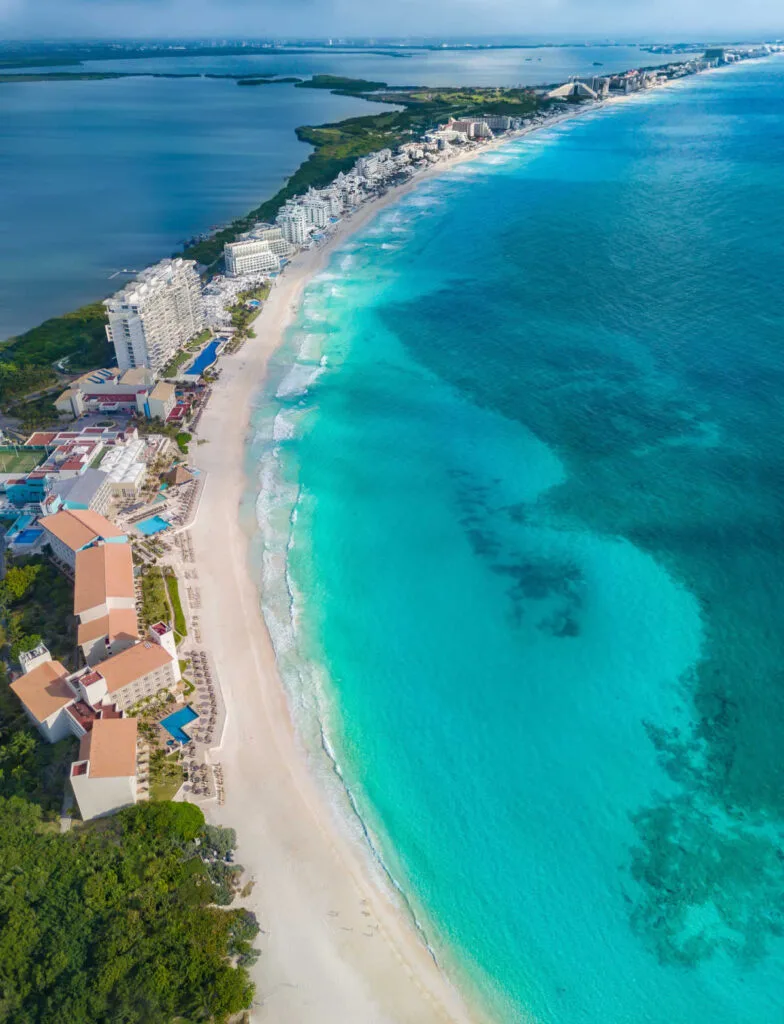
(80, 337)
(266, 80)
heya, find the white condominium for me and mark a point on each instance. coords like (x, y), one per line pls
(274, 238)
(155, 315)
(294, 225)
(317, 211)
(249, 257)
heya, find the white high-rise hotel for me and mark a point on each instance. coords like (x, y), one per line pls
(155, 315)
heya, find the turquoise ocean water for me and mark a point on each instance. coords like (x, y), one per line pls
(520, 529)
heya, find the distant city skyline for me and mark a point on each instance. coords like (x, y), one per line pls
(556, 19)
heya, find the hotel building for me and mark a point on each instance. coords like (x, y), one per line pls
(294, 225)
(71, 531)
(105, 601)
(104, 777)
(249, 257)
(155, 315)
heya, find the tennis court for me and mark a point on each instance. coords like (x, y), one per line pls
(19, 460)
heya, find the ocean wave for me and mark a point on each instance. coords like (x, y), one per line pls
(300, 379)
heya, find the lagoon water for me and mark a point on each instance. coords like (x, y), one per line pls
(521, 454)
(105, 175)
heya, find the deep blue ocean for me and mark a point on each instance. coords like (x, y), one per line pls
(522, 544)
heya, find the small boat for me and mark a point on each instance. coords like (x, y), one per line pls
(598, 64)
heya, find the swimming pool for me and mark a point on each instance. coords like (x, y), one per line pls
(27, 536)
(205, 358)
(173, 723)
(155, 524)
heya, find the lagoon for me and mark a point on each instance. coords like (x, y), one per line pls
(97, 176)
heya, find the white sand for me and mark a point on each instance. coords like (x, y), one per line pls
(335, 947)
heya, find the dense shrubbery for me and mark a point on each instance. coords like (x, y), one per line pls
(29, 767)
(81, 335)
(155, 607)
(115, 922)
(36, 600)
(19, 379)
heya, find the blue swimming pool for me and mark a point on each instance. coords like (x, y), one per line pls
(173, 723)
(27, 536)
(205, 358)
(155, 524)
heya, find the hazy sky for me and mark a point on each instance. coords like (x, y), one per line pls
(252, 18)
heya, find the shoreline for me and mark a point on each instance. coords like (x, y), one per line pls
(335, 944)
(335, 947)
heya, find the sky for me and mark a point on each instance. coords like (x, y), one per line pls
(649, 19)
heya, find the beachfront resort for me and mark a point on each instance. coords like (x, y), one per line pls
(109, 493)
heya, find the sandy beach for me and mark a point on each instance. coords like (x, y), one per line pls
(335, 946)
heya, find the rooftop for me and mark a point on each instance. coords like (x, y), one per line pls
(130, 665)
(81, 489)
(77, 528)
(136, 375)
(120, 622)
(110, 748)
(149, 281)
(102, 572)
(162, 391)
(43, 690)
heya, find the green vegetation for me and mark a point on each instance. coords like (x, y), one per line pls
(18, 459)
(116, 921)
(155, 607)
(20, 379)
(196, 343)
(172, 368)
(242, 316)
(173, 589)
(36, 600)
(30, 767)
(336, 83)
(80, 335)
(38, 62)
(166, 775)
(37, 414)
(337, 146)
(267, 81)
(182, 437)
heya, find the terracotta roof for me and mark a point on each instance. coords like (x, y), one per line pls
(43, 690)
(119, 622)
(110, 747)
(77, 528)
(130, 665)
(102, 572)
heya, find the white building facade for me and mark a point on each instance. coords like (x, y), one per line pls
(252, 256)
(155, 315)
(294, 225)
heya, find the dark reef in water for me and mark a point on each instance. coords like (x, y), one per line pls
(660, 392)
